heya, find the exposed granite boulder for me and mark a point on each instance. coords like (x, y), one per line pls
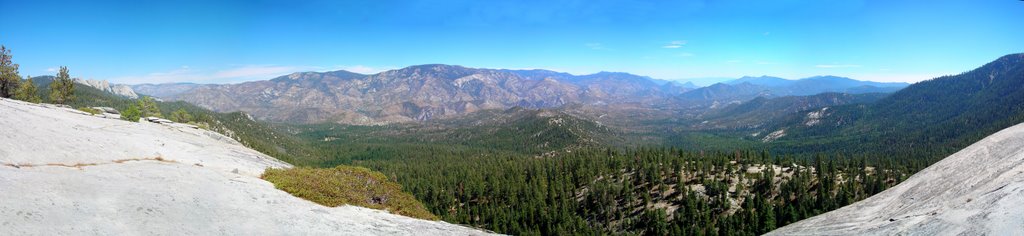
(976, 191)
(62, 173)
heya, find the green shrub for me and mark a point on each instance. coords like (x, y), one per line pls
(131, 114)
(181, 116)
(28, 92)
(149, 108)
(343, 185)
(90, 110)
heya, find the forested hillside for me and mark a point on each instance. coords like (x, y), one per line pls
(928, 119)
(646, 191)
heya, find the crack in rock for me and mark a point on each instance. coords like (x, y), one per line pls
(80, 166)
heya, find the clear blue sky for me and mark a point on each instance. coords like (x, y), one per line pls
(231, 41)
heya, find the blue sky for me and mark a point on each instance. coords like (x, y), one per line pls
(232, 41)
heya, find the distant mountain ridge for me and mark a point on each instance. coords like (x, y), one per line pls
(747, 88)
(415, 93)
(947, 112)
(121, 90)
(762, 111)
(116, 89)
(435, 91)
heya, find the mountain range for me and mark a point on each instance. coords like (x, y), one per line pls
(947, 113)
(747, 88)
(435, 91)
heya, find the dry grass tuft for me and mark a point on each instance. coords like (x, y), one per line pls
(348, 185)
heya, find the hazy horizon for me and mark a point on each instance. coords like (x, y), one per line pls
(230, 42)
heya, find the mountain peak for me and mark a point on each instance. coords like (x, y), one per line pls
(1012, 58)
(763, 80)
(436, 67)
(340, 74)
(615, 73)
(827, 77)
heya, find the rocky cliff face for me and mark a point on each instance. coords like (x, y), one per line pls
(103, 85)
(65, 173)
(418, 93)
(164, 90)
(976, 191)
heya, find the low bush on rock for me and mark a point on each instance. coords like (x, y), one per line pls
(343, 185)
(90, 110)
(131, 114)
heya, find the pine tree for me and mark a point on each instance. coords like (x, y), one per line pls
(768, 215)
(131, 114)
(148, 107)
(9, 77)
(62, 89)
(181, 116)
(27, 91)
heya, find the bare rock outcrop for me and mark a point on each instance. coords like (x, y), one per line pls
(103, 85)
(976, 191)
(67, 173)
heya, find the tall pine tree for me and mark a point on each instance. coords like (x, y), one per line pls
(9, 77)
(28, 92)
(62, 89)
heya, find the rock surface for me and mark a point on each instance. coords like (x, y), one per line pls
(64, 173)
(103, 85)
(976, 191)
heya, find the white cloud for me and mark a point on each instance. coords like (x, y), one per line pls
(181, 74)
(228, 75)
(837, 66)
(686, 54)
(255, 71)
(675, 44)
(595, 46)
(766, 63)
(51, 69)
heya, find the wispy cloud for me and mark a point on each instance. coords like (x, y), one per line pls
(766, 33)
(766, 63)
(686, 54)
(51, 69)
(837, 66)
(675, 44)
(256, 71)
(228, 75)
(181, 74)
(595, 46)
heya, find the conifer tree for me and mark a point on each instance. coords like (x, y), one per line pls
(62, 89)
(27, 91)
(148, 108)
(131, 114)
(9, 77)
(181, 116)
